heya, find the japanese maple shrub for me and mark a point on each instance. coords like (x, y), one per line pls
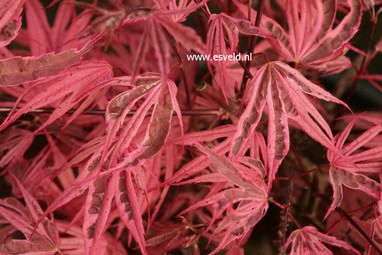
(131, 127)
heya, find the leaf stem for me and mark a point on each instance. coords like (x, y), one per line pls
(102, 112)
(353, 223)
(297, 176)
(251, 41)
(180, 61)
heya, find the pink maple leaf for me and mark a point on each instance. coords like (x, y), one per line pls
(309, 241)
(283, 90)
(245, 188)
(310, 38)
(350, 165)
(10, 21)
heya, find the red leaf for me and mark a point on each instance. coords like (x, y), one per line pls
(97, 209)
(16, 70)
(251, 198)
(310, 38)
(160, 124)
(186, 36)
(61, 21)
(14, 143)
(41, 240)
(125, 196)
(376, 234)
(308, 241)
(160, 93)
(178, 10)
(283, 90)
(81, 184)
(67, 89)
(161, 47)
(10, 21)
(38, 28)
(224, 167)
(348, 165)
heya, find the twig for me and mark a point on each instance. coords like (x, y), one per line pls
(102, 112)
(251, 43)
(285, 217)
(180, 61)
(354, 224)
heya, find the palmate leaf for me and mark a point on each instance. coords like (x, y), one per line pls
(46, 238)
(98, 205)
(118, 186)
(239, 180)
(65, 13)
(39, 243)
(314, 39)
(198, 164)
(170, 17)
(256, 145)
(186, 36)
(154, 32)
(167, 236)
(68, 31)
(41, 240)
(283, 90)
(63, 34)
(222, 40)
(229, 171)
(66, 89)
(10, 21)
(350, 166)
(179, 10)
(157, 92)
(239, 184)
(157, 29)
(310, 38)
(309, 241)
(120, 183)
(114, 158)
(101, 190)
(218, 33)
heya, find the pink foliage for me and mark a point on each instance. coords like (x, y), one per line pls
(114, 141)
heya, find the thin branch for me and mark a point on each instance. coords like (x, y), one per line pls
(251, 43)
(285, 217)
(354, 224)
(180, 61)
(306, 172)
(102, 112)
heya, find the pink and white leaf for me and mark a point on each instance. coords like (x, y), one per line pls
(283, 90)
(48, 92)
(350, 164)
(309, 241)
(10, 21)
(39, 31)
(16, 70)
(97, 209)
